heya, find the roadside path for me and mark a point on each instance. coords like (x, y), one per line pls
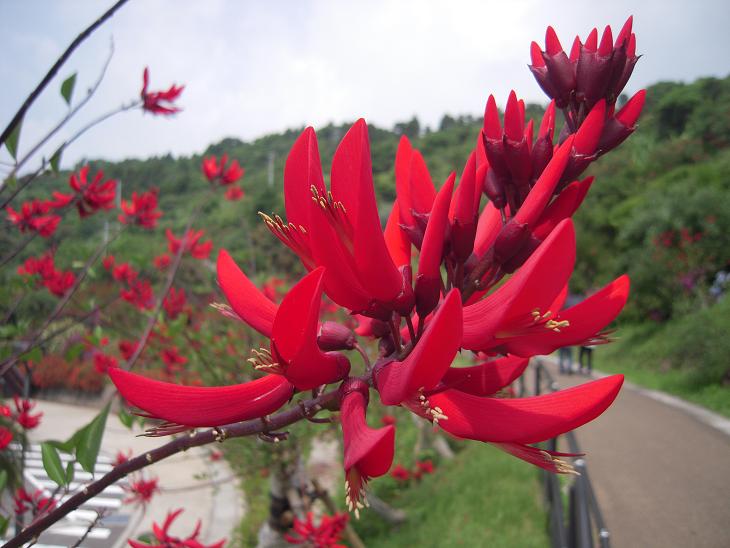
(661, 475)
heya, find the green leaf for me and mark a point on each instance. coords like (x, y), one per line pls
(69, 472)
(55, 160)
(67, 88)
(3, 479)
(34, 355)
(126, 418)
(89, 441)
(67, 446)
(4, 522)
(74, 352)
(11, 143)
(52, 463)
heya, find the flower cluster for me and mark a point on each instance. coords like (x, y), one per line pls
(402, 474)
(35, 216)
(141, 210)
(91, 195)
(44, 267)
(325, 535)
(491, 279)
(141, 491)
(135, 290)
(34, 502)
(163, 538)
(192, 244)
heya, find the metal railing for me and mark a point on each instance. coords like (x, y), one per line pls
(582, 526)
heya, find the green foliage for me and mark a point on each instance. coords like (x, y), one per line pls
(67, 88)
(52, 463)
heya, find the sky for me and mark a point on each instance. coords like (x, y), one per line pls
(253, 68)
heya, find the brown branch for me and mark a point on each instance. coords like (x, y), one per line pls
(55, 68)
(280, 420)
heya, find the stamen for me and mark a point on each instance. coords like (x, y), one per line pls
(336, 215)
(293, 236)
(561, 466)
(434, 414)
(262, 360)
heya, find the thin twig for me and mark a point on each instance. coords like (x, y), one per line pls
(97, 519)
(55, 68)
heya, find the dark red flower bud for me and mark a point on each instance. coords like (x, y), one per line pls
(406, 300)
(560, 69)
(516, 148)
(510, 240)
(623, 124)
(594, 69)
(335, 336)
(494, 189)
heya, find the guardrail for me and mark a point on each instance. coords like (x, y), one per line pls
(583, 525)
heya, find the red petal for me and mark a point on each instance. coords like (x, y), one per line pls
(488, 227)
(606, 46)
(587, 319)
(369, 450)
(430, 359)
(625, 31)
(487, 378)
(630, 112)
(591, 43)
(203, 406)
(294, 337)
(423, 193)
(525, 420)
(403, 180)
(542, 192)
(534, 285)
(302, 171)
(587, 136)
(398, 244)
(552, 44)
(251, 305)
(492, 127)
(428, 285)
(562, 207)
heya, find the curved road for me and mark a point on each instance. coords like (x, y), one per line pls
(661, 475)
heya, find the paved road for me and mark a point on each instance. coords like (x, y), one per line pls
(662, 477)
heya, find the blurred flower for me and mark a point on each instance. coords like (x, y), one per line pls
(33, 217)
(172, 359)
(161, 262)
(159, 102)
(234, 193)
(191, 238)
(174, 302)
(93, 195)
(6, 436)
(388, 420)
(23, 416)
(165, 540)
(102, 362)
(400, 473)
(324, 535)
(141, 491)
(127, 348)
(36, 503)
(221, 173)
(122, 457)
(56, 281)
(141, 210)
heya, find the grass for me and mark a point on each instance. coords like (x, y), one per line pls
(481, 498)
(687, 356)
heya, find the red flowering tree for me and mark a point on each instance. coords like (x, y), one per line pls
(478, 264)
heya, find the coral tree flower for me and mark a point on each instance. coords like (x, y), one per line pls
(159, 102)
(44, 267)
(141, 210)
(163, 538)
(34, 217)
(23, 414)
(340, 228)
(192, 244)
(295, 353)
(221, 172)
(203, 406)
(91, 195)
(368, 451)
(141, 491)
(324, 535)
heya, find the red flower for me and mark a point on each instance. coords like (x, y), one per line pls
(165, 540)
(340, 229)
(425, 466)
(173, 360)
(141, 210)
(387, 420)
(218, 172)
(159, 102)
(56, 281)
(141, 490)
(122, 457)
(295, 353)
(127, 348)
(399, 473)
(33, 216)
(324, 535)
(36, 503)
(203, 406)
(368, 452)
(191, 238)
(108, 262)
(161, 262)
(174, 302)
(248, 303)
(23, 416)
(233, 194)
(92, 195)
(6, 436)
(103, 362)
